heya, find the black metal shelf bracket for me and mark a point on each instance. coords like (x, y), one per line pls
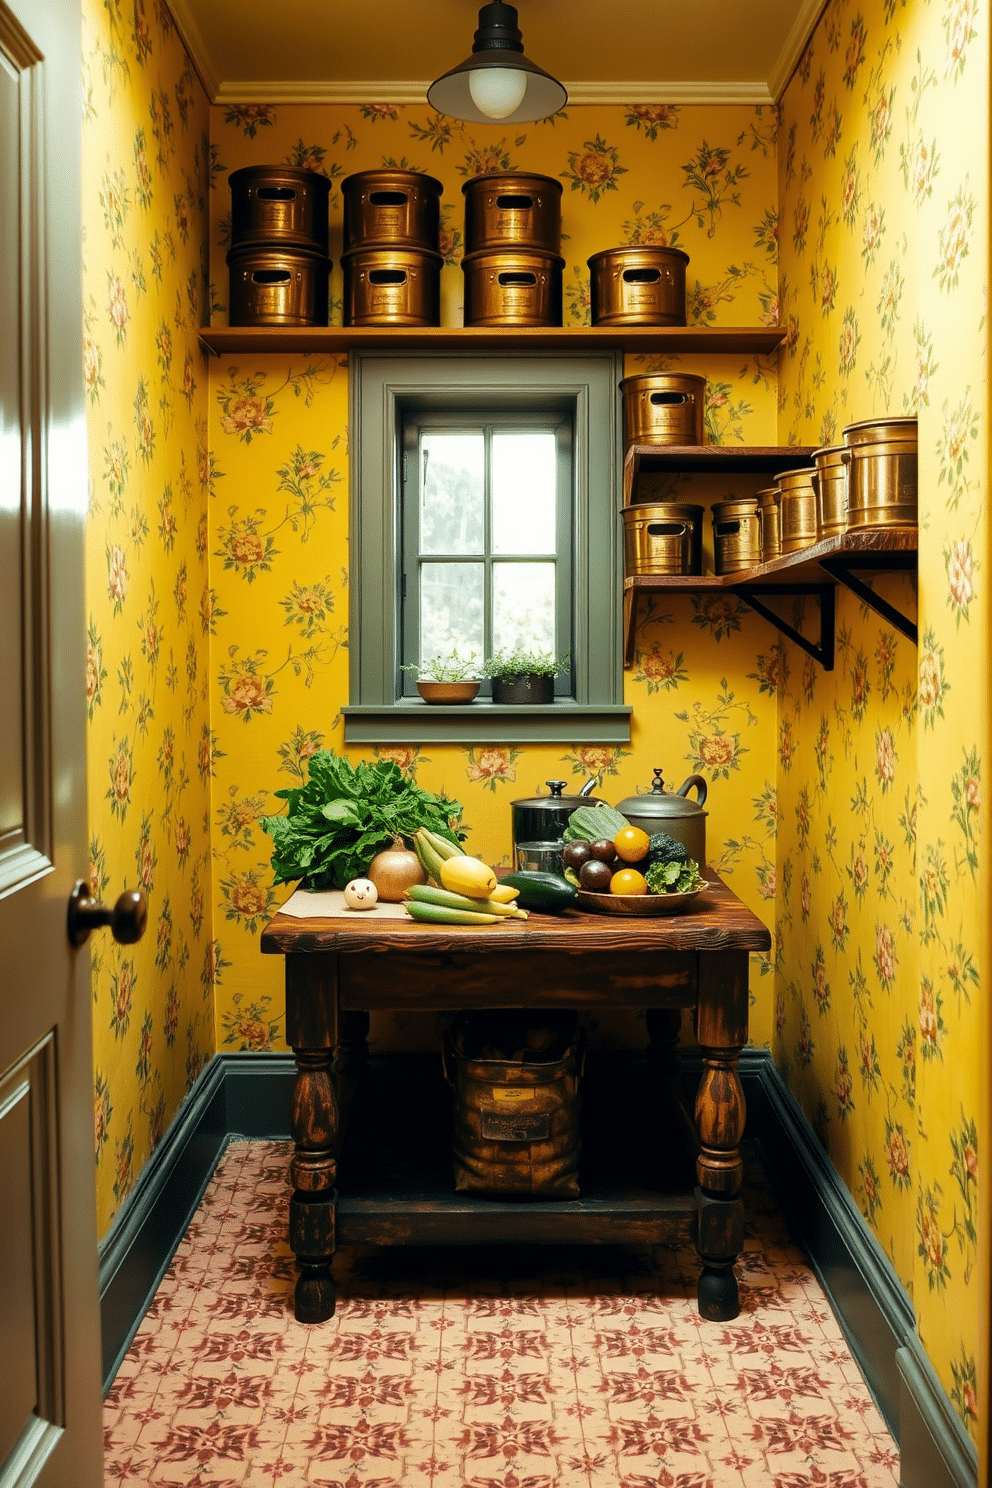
(822, 650)
(839, 569)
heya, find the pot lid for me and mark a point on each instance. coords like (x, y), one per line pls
(556, 798)
(661, 805)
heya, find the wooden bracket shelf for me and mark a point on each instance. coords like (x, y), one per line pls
(711, 459)
(750, 340)
(814, 570)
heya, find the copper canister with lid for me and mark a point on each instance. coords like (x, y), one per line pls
(881, 457)
(769, 529)
(512, 288)
(512, 210)
(392, 287)
(830, 489)
(663, 408)
(664, 537)
(391, 208)
(279, 206)
(277, 286)
(736, 537)
(797, 509)
(642, 285)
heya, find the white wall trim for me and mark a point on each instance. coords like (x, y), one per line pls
(184, 15)
(416, 92)
(795, 44)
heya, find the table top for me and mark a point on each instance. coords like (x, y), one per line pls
(716, 921)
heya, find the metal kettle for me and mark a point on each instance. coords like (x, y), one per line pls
(670, 811)
(544, 818)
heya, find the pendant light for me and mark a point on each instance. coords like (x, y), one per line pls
(497, 84)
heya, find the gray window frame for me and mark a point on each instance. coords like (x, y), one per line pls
(382, 388)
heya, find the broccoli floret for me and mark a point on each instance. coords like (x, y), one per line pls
(665, 849)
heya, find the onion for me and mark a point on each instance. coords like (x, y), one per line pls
(394, 871)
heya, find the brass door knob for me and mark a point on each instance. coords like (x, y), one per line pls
(127, 919)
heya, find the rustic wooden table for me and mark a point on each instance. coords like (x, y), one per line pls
(338, 970)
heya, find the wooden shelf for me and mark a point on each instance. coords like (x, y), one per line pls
(832, 561)
(716, 459)
(751, 340)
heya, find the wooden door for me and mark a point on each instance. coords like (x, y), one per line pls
(49, 1320)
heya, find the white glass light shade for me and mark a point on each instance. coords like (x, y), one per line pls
(497, 91)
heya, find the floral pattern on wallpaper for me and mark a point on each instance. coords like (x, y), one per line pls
(701, 178)
(883, 868)
(146, 169)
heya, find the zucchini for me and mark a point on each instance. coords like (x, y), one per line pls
(545, 892)
(590, 823)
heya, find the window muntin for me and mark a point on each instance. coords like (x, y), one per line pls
(488, 533)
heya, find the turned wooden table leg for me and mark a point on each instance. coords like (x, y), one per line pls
(311, 1029)
(721, 1027)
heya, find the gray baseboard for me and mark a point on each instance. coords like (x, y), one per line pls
(870, 1302)
(248, 1095)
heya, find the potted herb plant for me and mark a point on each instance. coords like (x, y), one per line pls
(520, 676)
(448, 679)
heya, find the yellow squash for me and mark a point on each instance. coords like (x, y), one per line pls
(464, 875)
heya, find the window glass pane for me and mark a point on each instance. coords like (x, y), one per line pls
(524, 492)
(524, 606)
(451, 609)
(452, 492)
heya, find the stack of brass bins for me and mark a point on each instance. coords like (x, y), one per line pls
(881, 458)
(663, 408)
(797, 509)
(392, 259)
(512, 262)
(769, 528)
(664, 537)
(736, 537)
(830, 487)
(278, 256)
(638, 286)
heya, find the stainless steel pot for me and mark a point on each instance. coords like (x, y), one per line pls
(544, 818)
(671, 812)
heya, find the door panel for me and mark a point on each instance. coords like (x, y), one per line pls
(49, 1319)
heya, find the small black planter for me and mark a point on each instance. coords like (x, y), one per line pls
(527, 689)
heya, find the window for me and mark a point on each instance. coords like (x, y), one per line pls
(485, 511)
(487, 523)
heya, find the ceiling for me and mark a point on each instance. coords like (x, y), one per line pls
(388, 51)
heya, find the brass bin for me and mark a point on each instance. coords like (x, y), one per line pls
(663, 408)
(512, 288)
(638, 286)
(881, 458)
(797, 509)
(769, 526)
(391, 208)
(276, 286)
(663, 538)
(392, 287)
(512, 210)
(830, 489)
(736, 536)
(279, 207)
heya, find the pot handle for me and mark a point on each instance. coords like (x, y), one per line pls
(701, 788)
(590, 786)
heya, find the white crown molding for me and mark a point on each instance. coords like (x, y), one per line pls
(183, 13)
(681, 93)
(803, 27)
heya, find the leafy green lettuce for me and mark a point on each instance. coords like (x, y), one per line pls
(345, 814)
(674, 878)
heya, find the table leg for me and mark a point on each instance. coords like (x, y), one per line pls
(311, 1029)
(721, 1027)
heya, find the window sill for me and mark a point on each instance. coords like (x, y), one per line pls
(412, 721)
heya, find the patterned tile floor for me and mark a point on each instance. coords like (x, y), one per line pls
(491, 1369)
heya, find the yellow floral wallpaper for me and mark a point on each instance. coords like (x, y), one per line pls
(145, 187)
(882, 908)
(703, 687)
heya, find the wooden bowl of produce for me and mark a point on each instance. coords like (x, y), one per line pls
(638, 904)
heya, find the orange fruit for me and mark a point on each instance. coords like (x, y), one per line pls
(631, 844)
(628, 881)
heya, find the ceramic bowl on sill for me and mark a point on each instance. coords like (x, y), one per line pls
(448, 692)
